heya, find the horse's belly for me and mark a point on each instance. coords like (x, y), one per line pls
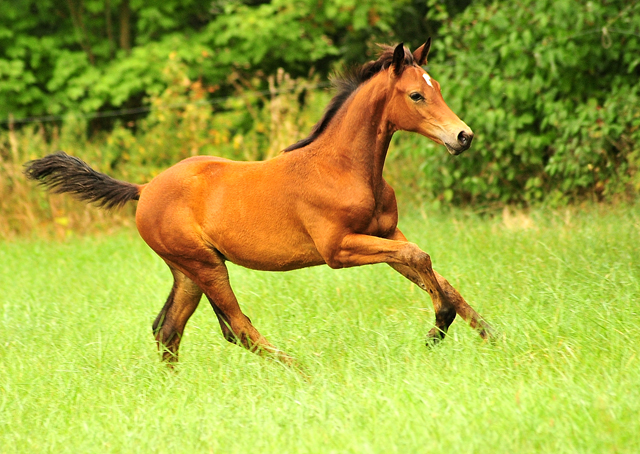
(275, 260)
(263, 246)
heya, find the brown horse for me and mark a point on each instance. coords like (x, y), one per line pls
(321, 201)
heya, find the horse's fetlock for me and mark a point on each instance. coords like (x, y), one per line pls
(447, 314)
(159, 322)
(230, 337)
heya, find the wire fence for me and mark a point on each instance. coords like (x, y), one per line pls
(149, 108)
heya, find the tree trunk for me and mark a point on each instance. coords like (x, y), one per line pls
(81, 31)
(125, 26)
(107, 13)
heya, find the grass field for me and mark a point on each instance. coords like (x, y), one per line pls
(79, 370)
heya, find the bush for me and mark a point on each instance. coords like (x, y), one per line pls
(552, 91)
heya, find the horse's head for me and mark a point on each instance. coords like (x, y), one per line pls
(416, 103)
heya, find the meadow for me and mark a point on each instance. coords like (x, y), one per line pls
(79, 370)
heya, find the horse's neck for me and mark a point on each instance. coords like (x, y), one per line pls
(360, 134)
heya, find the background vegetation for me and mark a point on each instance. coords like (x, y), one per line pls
(551, 89)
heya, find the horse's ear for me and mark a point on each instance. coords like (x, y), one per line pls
(421, 53)
(398, 59)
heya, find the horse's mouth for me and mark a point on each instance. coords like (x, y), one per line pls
(456, 150)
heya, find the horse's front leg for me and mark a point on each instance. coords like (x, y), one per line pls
(463, 309)
(357, 249)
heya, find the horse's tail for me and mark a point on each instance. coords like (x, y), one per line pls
(62, 173)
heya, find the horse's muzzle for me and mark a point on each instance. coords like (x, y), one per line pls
(463, 143)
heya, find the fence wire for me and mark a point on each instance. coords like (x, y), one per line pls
(149, 108)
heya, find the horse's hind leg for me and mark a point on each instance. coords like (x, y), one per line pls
(170, 322)
(213, 279)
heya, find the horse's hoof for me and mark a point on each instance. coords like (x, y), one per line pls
(434, 337)
(432, 342)
(487, 333)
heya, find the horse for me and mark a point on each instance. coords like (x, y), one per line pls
(323, 200)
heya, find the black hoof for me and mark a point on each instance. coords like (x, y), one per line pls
(434, 337)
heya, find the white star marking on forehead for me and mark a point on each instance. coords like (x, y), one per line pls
(427, 79)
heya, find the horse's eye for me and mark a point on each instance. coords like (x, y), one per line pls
(416, 96)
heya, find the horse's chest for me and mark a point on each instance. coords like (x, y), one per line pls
(382, 225)
(375, 216)
(372, 221)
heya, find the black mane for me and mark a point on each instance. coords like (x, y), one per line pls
(346, 83)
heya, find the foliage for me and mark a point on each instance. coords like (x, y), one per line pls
(88, 55)
(60, 57)
(552, 90)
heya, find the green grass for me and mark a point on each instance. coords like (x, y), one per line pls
(79, 370)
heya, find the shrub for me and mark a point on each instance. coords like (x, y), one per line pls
(551, 89)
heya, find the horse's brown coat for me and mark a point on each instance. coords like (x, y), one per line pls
(325, 202)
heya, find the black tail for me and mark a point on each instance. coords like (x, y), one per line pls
(62, 173)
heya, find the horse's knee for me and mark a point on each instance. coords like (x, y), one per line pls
(424, 260)
(417, 258)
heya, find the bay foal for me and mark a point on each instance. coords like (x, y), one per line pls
(322, 201)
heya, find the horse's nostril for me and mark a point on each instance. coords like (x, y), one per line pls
(465, 138)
